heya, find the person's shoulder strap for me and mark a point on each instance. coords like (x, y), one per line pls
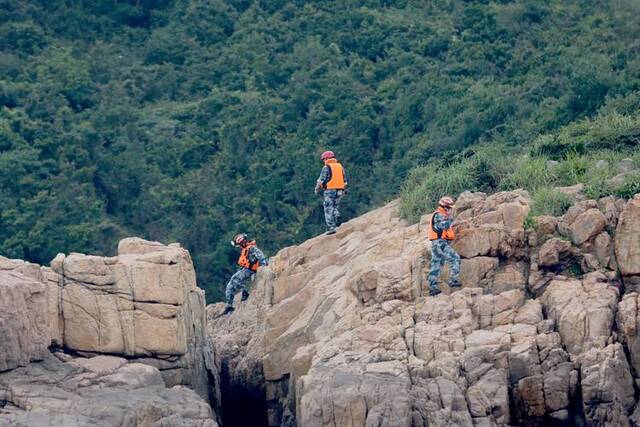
(433, 224)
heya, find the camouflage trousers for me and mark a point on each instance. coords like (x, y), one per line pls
(442, 252)
(237, 283)
(331, 203)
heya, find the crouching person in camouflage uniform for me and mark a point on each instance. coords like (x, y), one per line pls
(333, 180)
(441, 235)
(251, 258)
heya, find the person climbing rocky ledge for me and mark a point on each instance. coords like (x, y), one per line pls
(340, 331)
(126, 335)
(251, 258)
(441, 236)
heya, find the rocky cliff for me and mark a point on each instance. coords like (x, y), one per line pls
(339, 331)
(105, 340)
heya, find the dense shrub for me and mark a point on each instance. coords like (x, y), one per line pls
(191, 120)
(606, 132)
(491, 168)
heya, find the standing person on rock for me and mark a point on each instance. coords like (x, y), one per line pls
(441, 235)
(333, 181)
(251, 258)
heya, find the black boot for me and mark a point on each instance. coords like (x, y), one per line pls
(228, 309)
(433, 291)
(455, 284)
(245, 295)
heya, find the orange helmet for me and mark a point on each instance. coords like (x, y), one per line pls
(446, 202)
(327, 155)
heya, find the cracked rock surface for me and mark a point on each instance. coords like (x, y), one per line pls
(102, 391)
(340, 330)
(130, 331)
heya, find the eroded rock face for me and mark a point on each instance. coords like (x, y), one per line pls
(628, 238)
(104, 390)
(607, 386)
(628, 320)
(24, 335)
(239, 348)
(132, 304)
(340, 331)
(583, 310)
(142, 304)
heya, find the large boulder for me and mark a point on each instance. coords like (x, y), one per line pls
(374, 394)
(627, 240)
(628, 321)
(587, 225)
(493, 226)
(24, 335)
(142, 303)
(584, 311)
(102, 391)
(27, 269)
(608, 393)
(552, 251)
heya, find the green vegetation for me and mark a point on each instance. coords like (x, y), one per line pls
(547, 201)
(608, 132)
(190, 120)
(490, 168)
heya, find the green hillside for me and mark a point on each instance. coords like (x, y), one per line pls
(191, 120)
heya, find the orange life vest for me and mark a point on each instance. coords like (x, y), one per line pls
(337, 175)
(447, 234)
(243, 261)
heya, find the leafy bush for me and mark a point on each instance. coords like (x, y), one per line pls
(607, 132)
(529, 221)
(24, 37)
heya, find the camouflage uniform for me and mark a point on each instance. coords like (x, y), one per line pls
(442, 252)
(240, 279)
(331, 204)
(331, 198)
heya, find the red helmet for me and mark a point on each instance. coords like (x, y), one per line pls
(327, 155)
(446, 202)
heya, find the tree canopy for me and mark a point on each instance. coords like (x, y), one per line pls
(192, 120)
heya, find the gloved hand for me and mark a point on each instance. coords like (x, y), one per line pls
(317, 190)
